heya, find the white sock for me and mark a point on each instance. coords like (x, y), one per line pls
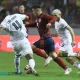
(32, 63)
(17, 63)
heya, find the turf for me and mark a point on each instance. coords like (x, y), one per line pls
(51, 72)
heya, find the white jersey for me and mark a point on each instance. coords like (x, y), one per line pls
(15, 27)
(61, 28)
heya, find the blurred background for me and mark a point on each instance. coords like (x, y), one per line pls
(70, 9)
(70, 12)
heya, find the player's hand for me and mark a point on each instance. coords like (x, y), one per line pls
(26, 23)
(73, 43)
(48, 25)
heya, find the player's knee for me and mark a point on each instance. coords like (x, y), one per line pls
(53, 55)
(33, 46)
(29, 56)
(59, 53)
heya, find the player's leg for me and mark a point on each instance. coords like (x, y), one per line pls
(17, 64)
(66, 51)
(37, 51)
(24, 49)
(28, 53)
(60, 62)
(78, 57)
(17, 57)
(50, 50)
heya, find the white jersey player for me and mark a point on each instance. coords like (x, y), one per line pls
(13, 24)
(66, 34)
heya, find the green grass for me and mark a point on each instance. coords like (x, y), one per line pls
(51, 72)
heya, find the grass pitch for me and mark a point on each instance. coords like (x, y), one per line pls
(51, 72)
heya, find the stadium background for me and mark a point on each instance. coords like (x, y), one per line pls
(70, 12)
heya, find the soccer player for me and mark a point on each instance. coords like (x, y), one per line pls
(13, 24)
(22, 11)
(43, 23)
(67, 37)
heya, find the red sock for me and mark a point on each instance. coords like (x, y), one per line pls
(60, 62)
(39, 53)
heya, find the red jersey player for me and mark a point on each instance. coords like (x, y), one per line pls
(43, 23)
(22, 11)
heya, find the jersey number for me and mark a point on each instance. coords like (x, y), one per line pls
(17, 25)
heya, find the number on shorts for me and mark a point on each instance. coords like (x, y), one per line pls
(17, 25)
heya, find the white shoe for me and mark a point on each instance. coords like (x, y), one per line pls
(47, 61)
(67, 71)
(34, 72)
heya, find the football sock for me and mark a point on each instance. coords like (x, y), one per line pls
(17, 63)
(40, 53)
(32, 63)
(60, 62)
(70, 60)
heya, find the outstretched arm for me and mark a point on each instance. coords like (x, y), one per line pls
(72, 34)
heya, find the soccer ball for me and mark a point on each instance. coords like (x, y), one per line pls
(27, 69)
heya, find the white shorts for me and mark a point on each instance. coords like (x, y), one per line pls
(22, 47)
(68, 48)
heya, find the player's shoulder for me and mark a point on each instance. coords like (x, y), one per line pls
(62, 20)
(6, 18)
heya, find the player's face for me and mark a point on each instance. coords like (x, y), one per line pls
(56, 16)
(37, 12)
(22, 9)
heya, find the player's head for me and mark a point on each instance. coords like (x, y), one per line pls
(3, 13)
(21, 9)
(56, 13)
(36, 9)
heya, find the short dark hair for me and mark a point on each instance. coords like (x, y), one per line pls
(3, 12)
(36, 6)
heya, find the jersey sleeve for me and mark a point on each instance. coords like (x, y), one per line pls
(64, 24)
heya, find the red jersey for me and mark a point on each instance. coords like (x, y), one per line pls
(41, 23)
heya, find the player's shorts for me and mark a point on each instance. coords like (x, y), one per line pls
(22, 47)
(67, 47)
(46, 44)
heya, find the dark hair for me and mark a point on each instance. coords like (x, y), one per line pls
(3, 12)
(36, 6)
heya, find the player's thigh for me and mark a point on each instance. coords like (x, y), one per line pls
(37, 44)
(23, 48)
(49, 45)
(69, 49)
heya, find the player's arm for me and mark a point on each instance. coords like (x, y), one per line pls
(50, 20)
(72, 34)
(32, 24)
